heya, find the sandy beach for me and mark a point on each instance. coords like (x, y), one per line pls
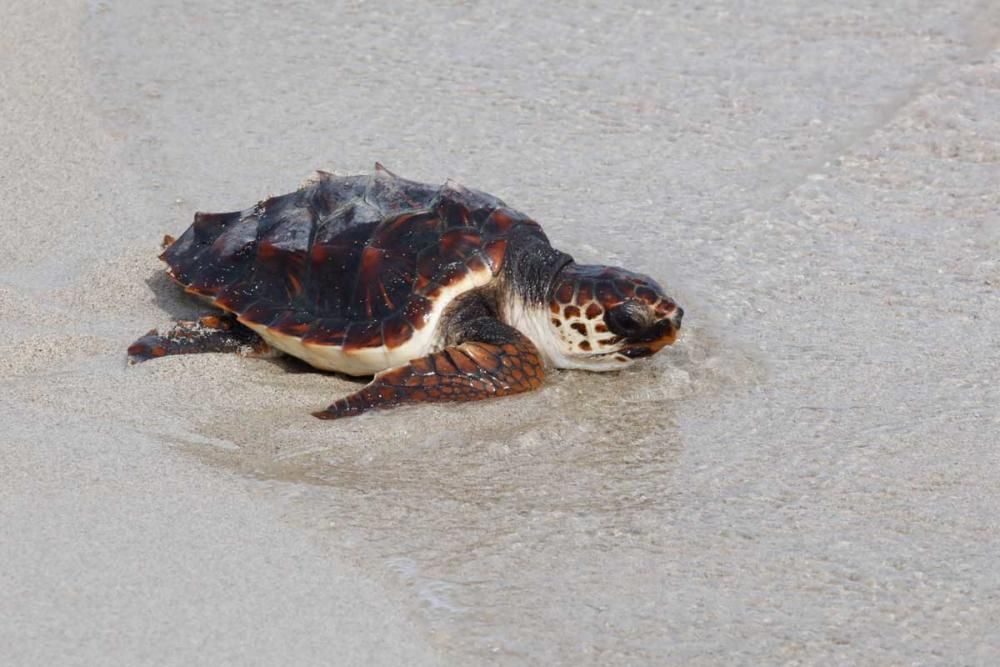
(810, 476)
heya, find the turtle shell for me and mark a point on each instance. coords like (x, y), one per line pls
(364, 264)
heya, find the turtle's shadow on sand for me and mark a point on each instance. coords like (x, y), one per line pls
(171, 298)
(179, 305)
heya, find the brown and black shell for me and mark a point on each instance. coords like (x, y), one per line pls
(352, 261)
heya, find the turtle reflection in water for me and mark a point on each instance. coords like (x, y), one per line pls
(442, 292)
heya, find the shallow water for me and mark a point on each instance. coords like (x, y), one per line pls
(809, 475)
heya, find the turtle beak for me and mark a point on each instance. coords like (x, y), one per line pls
(661, 334)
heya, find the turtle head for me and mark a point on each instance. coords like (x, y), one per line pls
(605, 317)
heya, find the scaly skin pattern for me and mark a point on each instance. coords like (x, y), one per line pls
(470, 371)
(209, 333)
(609, 311)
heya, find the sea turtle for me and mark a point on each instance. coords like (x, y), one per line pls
(444, 293)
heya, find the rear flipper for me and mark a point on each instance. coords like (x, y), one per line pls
(493, 359)
(209, 333)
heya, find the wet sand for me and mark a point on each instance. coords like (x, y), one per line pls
(809, 476)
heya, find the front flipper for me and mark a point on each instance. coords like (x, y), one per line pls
(210, 333)
(493, 360)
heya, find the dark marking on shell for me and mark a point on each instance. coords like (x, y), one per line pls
(236, 240)
(384, 281)
(408, 231)
(392, 194)
(453, 213)
(327, 331)
(498, 224)
(459, 243)
(363, 334)
(494, 252)
(417, 311)
(261, 314)
(292, 323)
(396, 331)
(191, 258)
(327, 193)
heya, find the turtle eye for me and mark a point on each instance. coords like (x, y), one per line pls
(626, 319)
